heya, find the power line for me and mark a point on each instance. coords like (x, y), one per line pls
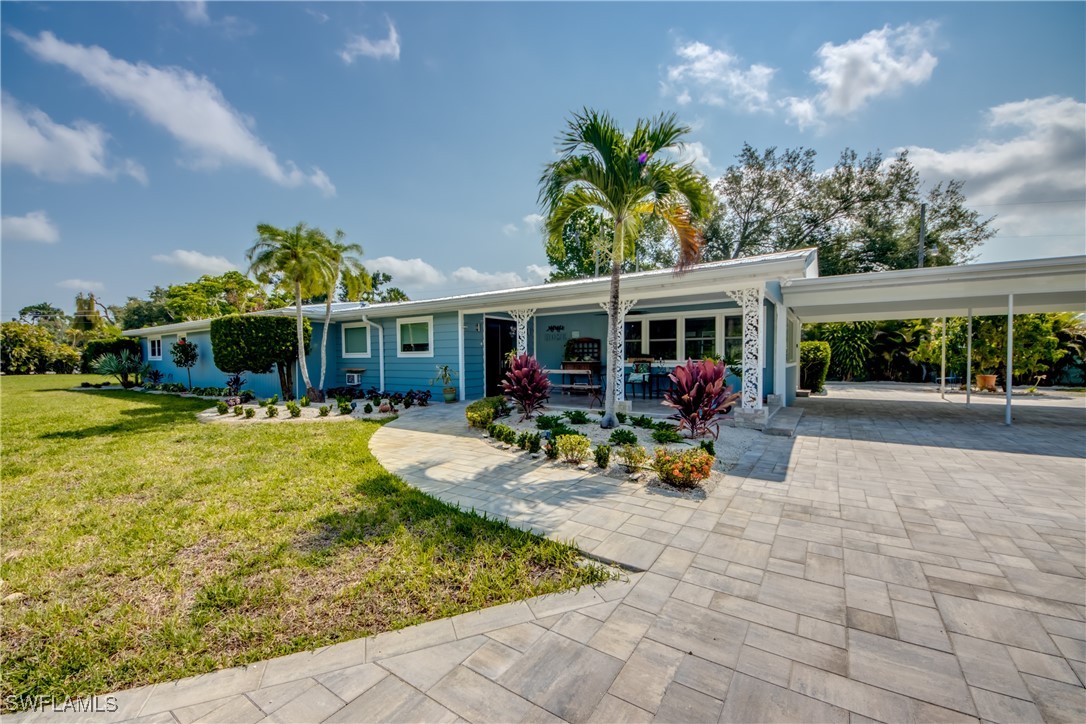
(1030, 203)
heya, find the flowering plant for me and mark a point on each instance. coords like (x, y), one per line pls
(682, 469)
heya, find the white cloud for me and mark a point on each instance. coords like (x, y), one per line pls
(696, 153)
(81, 285)
(53, 151)
(195, 261)
(484, 281)
(376, 49)
(510, 229)
(35, 226)
(195, 11)
(880, 63)
(317, 15)
(407, 272)
(717, 78)
(538, 273)
(533, 221)
(189, 107)
(1044, 160)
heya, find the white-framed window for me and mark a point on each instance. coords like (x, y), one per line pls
(415, 337)
(633, 338)
(663, 338)
(356, 339)
(791, 335)
(733, 338)
(154, 348)
(700, 336)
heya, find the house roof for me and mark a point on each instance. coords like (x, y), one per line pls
(1038, 285)
(694, 282)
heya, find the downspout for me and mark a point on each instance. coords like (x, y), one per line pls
(460, 360)
(380, 351)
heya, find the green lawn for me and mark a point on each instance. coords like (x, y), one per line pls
(149, 546)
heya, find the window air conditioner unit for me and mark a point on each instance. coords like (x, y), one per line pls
(353, 378)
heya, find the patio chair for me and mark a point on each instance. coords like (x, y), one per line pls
(641, 375)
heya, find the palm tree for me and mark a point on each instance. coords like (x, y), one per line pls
(345, 268)
(297, 257)
(602, 168)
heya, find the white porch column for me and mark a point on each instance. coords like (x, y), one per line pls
(460, 354)
(969, 357)
(521, 317)
(1010, 356)
(750, 299)
(942, 365)
(619, 383)
(780, 354)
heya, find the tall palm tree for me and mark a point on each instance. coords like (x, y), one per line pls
(345, 268)
(297, 257)
(621, 176)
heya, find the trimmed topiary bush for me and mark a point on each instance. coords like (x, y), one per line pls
(97, 347)
(814, 363)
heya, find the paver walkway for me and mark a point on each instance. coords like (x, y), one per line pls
(900, 559)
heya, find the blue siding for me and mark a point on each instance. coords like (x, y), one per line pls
(407, 373)
(205, 373)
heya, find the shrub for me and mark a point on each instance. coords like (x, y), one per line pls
(248, 395)
(814, 363)
(243, 343)
(273, 400)
(119, 365)
(503, 433)
(621, 417)
(526, 384)
(548, 422)
(666, 435)
(345, 408)
(249, 412)
(633, 457)
(272, 411)
(95, 348)
(623, 437)
(682, 469)
(577, 417)
(234, 383)
(602, 454)
(294, 409)
(562, 429)
(551, 450)
(368, 409)
(535, 442)
(708, 446)
(238, 410)
(573, 448)
(408, 400)
(643, 421)
(483, 412)
(522, 441)
(350, 392)
(323, 410)
(153, 377)
(303, 402)
(222, 407)
(698, 394)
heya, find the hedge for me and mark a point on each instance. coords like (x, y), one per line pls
(254, 344)
(814, 363)
(482, 412)
(98, 347)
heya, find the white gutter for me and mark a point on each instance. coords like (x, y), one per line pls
(460, 362)
(380, 352)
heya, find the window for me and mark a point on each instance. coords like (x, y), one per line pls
(663, 338)
(633, 339)
(700, 337)
(154, 348)
(415, 337)
(733, 339)
(356, 340)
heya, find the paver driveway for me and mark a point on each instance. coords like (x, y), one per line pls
(900, 559)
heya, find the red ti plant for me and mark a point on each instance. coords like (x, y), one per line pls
(526, 384)
(698, 395)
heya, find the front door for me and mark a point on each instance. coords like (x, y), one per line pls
(501, 339)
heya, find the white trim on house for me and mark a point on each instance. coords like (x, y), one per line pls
(429, 320)
(343, 340)
(151, 349)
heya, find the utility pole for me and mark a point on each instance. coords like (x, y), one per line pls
(923, 241)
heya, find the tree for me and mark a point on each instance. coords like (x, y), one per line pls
(377, 293)
(256, 344)
(50, 318)
(297, 258)
(29, 349)
(345, 271)
(185, 355)
(603, 169)
(576, 254)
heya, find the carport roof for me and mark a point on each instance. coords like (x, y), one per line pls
(1038, 285)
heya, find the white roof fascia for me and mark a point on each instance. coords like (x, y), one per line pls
(198, 325)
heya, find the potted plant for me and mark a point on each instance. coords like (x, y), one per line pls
(445, 375)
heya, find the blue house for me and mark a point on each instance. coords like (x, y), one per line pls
(747, 310)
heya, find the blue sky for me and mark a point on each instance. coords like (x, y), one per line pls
(143, 142)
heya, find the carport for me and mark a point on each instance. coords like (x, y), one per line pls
(968, 290)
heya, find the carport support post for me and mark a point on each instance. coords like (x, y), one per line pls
(969, 357)
(942, 365)
(1010, 356)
